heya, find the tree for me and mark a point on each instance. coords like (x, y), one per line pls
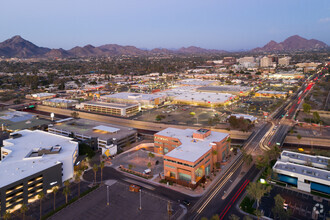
(215, 217)
(78, 180)
(41, 195)
(258, 213)
(149, 165)
(130, 166)
(23, 210)
(298, 137)
(55, 190)
(307, 108)
(75, 115)
(101, 167)
(151, 155)
(95, 169)
(262, 161)
(247, 218)
(234, 217)
(6, 216)
(278, 209)
(256, 190)
(274, 152)
(66, 192)
(247, 158)
(316, 117)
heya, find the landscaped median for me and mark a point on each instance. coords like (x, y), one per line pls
(136, 173)
(69, 202)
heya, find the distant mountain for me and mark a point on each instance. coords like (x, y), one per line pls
(18, 47)
(293, 43)
(21, 48)
(198, 50)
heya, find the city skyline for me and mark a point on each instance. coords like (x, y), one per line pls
(212, 25)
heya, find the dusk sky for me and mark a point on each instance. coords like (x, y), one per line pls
(213, 24)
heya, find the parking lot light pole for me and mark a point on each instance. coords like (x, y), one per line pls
(140, 208)
(108, 195)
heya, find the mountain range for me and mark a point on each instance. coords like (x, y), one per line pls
(21, 48)
(293, 43)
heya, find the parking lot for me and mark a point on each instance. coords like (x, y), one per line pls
(139, 160)
(123, 204)
(182, 115)
(300, 204)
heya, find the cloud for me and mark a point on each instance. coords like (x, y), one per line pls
(324, 20)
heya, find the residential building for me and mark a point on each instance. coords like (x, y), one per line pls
(33, 162)
(266, 62)
(190, 155)
(306, 172)
(98, 135)
(116, 109)
(60, 103)
(284, 61)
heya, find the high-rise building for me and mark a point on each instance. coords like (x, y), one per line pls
(284, 61)
(266, 61)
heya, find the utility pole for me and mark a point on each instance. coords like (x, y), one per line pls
(108, 203)
(140, 208)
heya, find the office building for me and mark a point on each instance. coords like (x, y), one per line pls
(266, 62)
(188, 154)
(306, 172)
(145, 100)
(270, 94)
(98, 135)
(40, 96)
(60, 103)
(284, 61)
(116, 109)
(33, 162)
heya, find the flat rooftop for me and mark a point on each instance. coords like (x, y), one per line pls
(271, 92)
(196, 82)
(19, 163)
(303, 170)
(59, 100)
(92, 128)
(132, 96)
(248, 117)
(233, 88)
(188, 93)
(17, 120)
(306, 157)
(191, 149)
(111, 105)
(43, 94)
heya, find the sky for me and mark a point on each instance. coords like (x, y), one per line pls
(213, 24)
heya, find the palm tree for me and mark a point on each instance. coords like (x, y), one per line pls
(101, 167)
(78, 180)
(55, 190)
(298, 137)
(66, 191)
(257, 190)
(41, 195)
(95, 169)
(258, 213)
(23, 210)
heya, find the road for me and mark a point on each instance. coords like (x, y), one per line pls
(205, 206)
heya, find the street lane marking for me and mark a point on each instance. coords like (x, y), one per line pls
(218, 188)
(246, 183)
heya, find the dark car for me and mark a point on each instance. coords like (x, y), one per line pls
(186, 202)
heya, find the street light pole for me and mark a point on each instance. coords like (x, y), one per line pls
(140, 208)
(108, 195)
